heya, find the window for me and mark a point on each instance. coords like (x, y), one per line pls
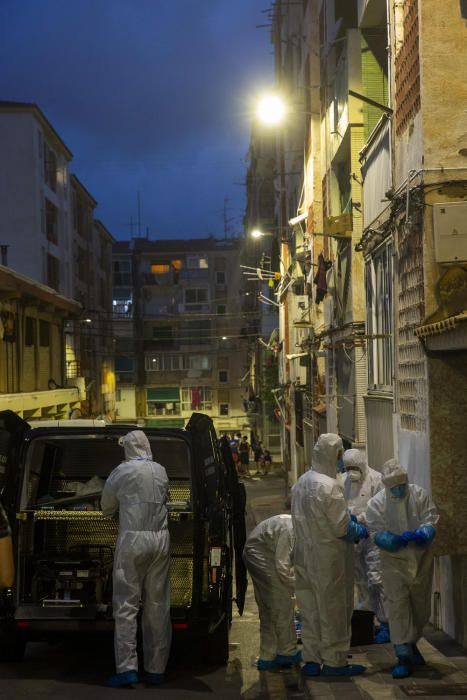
(195, 332)
(379, 303)
(223, 375)
(176, 362)
(223, 409)
(122, 302)
(124, 365)
(196, 296)
(83, 264)
(163, 336)
(221, 309)
(29, 331)
(221, 277)
(53, 272)
(198, 362)
(51, 222)
(195, 262)
(196, 398)
(160, 268)
(44, 334)
(122, 272)
(50, 167)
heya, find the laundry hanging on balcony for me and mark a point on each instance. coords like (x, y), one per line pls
(320, 278)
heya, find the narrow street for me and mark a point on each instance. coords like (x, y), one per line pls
(75, 671)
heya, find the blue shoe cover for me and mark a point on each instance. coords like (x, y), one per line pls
(402, 669)
(349, 670)
(382, 636)
(417, 658)
(290, 660)
(311, 669)
(154, 678)
(123, 680)
(266, 664)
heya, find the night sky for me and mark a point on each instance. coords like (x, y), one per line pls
(154, 96)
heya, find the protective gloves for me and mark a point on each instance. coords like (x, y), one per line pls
(424, 535)
(355, 532)
(389, 541)
(421, 536)
(353, 518)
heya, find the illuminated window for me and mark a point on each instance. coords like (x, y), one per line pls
(160, 268)
(176, 264)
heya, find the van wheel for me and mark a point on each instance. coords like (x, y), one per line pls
(217, 651)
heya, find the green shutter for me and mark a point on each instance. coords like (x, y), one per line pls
(374, 86)
(164, 423)
(163, 394)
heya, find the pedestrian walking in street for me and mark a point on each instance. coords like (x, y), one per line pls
(360, 484)
(268, 558)
(137, 489)
(402, 520)
(267, 461)
(244, 454)
(259, 458)
(7, 567)
(324, 562)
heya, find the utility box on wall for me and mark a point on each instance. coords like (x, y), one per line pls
(450, 232)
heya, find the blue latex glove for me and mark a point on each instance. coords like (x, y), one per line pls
(409, 536)
(389, 541)
(355, 532)
(353, 518)
(423, 535)
(340, 466)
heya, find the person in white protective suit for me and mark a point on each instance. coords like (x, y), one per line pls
(402, 520)
(138, 490)
(324, 561)
(268, 558)
(360, 484)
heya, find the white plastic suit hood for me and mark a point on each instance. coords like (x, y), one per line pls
(325, 454)
(136, 446)
(356, 458)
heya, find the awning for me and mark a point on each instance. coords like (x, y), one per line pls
(449, 334)
(164, 394)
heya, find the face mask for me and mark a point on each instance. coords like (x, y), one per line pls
(399, 491)
(340, 466)
(354, 474)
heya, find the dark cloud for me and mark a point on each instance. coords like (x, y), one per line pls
(150, 95)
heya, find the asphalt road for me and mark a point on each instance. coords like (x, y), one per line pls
(78, 670)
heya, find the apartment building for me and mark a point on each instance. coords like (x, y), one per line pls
(48, 233)
(181, 331)
(380, 208)
(32, 349)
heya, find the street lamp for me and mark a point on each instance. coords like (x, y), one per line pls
(257, 233)
(271, 110)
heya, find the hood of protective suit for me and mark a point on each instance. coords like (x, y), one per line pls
(325, 454)
(393, 473)
(136, 446)
(356, 459)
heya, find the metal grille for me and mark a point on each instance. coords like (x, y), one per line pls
(408, 70)
(65, 530)
(180, 492)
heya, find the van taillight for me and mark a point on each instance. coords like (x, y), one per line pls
(180, 626)
(23, 624)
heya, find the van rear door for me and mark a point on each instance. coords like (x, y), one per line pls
(12, 432)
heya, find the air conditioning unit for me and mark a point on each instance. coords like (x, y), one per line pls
(450, 232)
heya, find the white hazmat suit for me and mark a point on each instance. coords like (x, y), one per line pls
(407, 572)
(268, 558)
(323, 561)
(138, 490)
(360, 484)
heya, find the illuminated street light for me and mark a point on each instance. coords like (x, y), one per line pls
(257, 233)
(271, 110)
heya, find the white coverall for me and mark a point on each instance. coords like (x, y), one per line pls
(268, 558)
(407, 573)
(324, 563)
(138, 489)
(368, 580)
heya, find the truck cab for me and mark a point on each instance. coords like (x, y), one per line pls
(51, 479)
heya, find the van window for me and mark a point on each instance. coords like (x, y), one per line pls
(58, 465)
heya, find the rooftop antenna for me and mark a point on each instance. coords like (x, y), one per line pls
(139, 214)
